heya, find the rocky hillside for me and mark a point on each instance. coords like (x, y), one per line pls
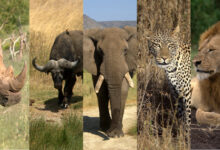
(91, 23)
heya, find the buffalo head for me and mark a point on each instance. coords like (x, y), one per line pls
(56, 68)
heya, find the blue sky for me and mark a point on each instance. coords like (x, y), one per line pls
(108, 10)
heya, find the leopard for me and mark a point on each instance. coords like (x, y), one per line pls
(173, 55)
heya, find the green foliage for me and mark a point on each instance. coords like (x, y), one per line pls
(14, 14)
(204, 13)
(49, 136)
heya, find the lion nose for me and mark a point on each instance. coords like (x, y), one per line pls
(197, 63)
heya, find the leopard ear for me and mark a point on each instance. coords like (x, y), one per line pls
(149, 34)
(176, 31)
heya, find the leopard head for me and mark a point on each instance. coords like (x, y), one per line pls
(164, 47)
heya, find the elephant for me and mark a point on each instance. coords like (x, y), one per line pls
(110, 55)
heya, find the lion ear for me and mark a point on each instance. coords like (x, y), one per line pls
(176, 31)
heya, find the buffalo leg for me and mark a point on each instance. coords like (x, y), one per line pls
(60, 96)
(68, 90)
(103, 100)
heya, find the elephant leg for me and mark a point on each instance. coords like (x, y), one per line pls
(103, 100)
(118, 111)
(68, 90)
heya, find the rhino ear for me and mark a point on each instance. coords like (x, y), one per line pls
(89, 63)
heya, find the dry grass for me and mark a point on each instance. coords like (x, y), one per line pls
(156, 106)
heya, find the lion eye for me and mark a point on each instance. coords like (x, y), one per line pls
(125, 51)
(211, 50)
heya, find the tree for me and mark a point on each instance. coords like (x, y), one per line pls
(13, 14)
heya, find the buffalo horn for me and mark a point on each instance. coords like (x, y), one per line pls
(46, 68)
(63, 63)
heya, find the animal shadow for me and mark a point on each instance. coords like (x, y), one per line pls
(52, 104)
(91, 125)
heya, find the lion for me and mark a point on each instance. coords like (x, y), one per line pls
(206, 85)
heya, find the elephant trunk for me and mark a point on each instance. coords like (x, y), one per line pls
(116, 105)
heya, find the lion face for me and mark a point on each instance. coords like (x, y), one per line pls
(207, 61)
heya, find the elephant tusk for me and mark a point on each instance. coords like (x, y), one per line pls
(130, 81)
(99, 83)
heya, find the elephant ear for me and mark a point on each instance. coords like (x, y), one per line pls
(88, 56)
(94, 34)
(132, 51)
(90, 40)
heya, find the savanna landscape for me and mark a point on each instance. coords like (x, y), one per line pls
(14, 121)
(50, 126)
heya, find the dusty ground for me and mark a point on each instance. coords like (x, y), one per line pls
(204, 136)
(50, 111)
(94, 139)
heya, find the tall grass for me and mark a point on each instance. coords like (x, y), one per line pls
(156, 105)
(48, 136)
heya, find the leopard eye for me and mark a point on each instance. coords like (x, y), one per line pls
(156, 46)
(172, 46)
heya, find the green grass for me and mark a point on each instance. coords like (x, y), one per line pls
(50, 136)
(133, 130)
(14, 121)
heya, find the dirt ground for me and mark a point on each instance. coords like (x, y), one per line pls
(204, 136)
(50, 111)
(94, 139)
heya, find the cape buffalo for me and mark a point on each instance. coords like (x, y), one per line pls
(65, 63)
